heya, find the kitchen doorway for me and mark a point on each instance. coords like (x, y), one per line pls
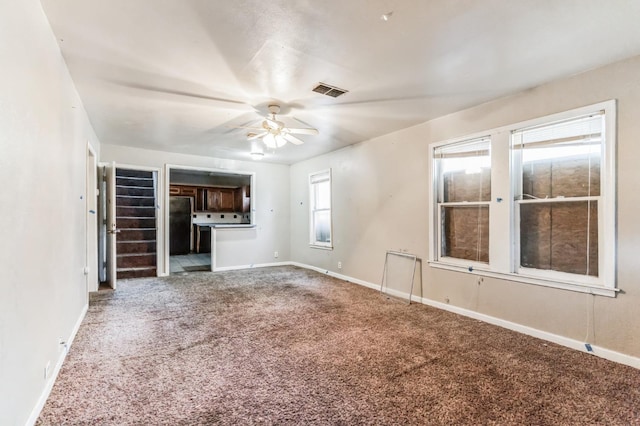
(200, 200)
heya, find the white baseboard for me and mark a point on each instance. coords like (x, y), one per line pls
(540, 334)
(336, 275)
(250, 266)
(35, 413)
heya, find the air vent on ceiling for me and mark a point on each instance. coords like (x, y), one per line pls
(325, 89)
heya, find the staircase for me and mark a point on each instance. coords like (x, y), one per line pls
(136, 221)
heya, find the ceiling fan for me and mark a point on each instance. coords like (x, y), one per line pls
(275, 134)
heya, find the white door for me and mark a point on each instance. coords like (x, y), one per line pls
(112, 231)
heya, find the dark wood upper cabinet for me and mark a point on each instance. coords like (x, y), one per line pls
(242, 200)
(226, 200)
(213, 199)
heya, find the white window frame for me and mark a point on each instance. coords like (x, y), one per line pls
(504, 261)
(440, 205)
(314, 179)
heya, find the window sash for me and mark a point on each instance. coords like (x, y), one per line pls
(474, 237)
(565, 170)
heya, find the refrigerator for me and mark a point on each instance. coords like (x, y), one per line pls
(180, 212)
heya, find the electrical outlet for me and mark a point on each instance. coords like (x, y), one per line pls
(46, 370)
(275, 254)
(339, 265)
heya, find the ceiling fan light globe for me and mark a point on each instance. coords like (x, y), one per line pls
(270, 141)
(280, 141)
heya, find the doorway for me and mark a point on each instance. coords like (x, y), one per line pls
(200, 200)
(128, 223)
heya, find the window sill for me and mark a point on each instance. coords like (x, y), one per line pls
(321, 247)
(564, 285)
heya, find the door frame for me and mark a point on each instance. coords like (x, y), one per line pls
(165, 198)
(91, 222)
(160, 217)
(160, 225)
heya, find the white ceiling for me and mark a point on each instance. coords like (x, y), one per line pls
(178, 75)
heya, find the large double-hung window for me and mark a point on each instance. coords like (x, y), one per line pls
(464, 195)
(533, 202)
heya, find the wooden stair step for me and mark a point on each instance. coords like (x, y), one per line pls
(131, 201)
(136, 222)
(135, 182)
(135, 211)
(133, 173)
(139, 272)
(136, 234)
(137, 246)
(134, 260)
(135, 191)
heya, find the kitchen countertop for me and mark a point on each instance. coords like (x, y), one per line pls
(224, 225)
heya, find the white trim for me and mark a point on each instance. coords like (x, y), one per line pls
(504, 257)
(250, 266)
(524, 279)
(544, 335)
(91, 193)
(162, 261)
(321, 246)
(35, 413)
(312, 208)
(598, 351)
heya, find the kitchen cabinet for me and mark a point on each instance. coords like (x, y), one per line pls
(201, 199)
(187, 191)
(226, 200)
(242, 199)
(220, 200)
(213, 199)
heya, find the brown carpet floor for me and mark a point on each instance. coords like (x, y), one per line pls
(290, 346)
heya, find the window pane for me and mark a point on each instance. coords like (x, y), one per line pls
(561, 159)
(465, 232)
(467, 185)
(465, 171)
(560, 236)
(322, 226)
(323, 195)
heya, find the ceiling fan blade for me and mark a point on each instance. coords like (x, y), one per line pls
(274, 124)
(313, 132)
(252, 136)
(246, 127)
(294, 140)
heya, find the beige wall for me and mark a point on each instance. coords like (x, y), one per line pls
(269, 197)
(380, 196)
(43, 138)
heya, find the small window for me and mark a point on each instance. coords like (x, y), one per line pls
(320, 212)
(464, 193)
